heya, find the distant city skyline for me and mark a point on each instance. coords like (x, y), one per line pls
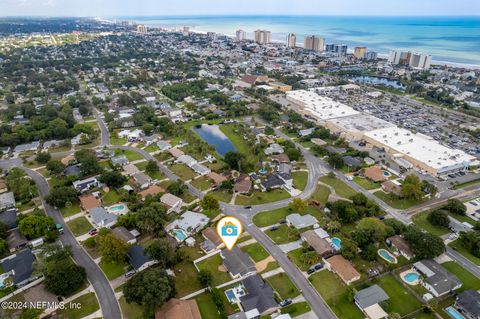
(111, 8)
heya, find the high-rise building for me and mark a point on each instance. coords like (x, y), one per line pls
(240, 35)
(330, 47)
(341, 49)
(142, 28)
(291, 40)
(314, 43)
(420, 61)
(370, 55)
(212, 35)
(262, 36)
(359, 52)
(186, 30)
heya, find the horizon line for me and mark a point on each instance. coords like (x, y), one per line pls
(243, 15)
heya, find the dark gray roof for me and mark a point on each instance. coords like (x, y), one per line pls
(272, 181)
(137, 257)
(21, 264)
(370, 296)
(15, 239)
(9, 217)
(259, 295)
(71, 170)
(469, 301)
(351, 161)
(437, 276)
(237, 262)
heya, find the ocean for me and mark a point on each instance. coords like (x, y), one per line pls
(449, 39)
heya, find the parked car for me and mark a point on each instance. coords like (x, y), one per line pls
(285, 302)
(93, 232)
(248, 207)
(311, 270)
(59, 228)
(318, 266)
(130, 273)
(273, 228)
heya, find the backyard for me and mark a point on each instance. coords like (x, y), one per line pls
(401, 301)
(340, 187)
(213, 264)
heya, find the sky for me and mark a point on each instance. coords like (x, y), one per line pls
(111, 8)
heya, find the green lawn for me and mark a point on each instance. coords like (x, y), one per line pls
(235, 138)
(87, 305)
(271, 217)
(457, 245)
(294, 256)
(321, 194)
(158, 175)
(186, 280)
(211, 264)
(270, 266)
(142, 165)
(282, 284)
(151, 148)
(366, 183)
(131, 155)
(296, 309)
(462, 218)
(340, 187)
(283, 234)
(262, 197)
(118, 141)
(463, 185)
(333, 290)
(79, 226)
(421, 221)
(469, 280)
(394, 201)
(300, 180)
(183, 171)
(70, 211)
(222, 195)
(202, 183)
(401, 301)
(256, 251)
(206, 306)
(130, 310)
(111, 197)
(112, 270)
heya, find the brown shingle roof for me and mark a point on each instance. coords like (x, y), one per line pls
(320, 245)
(176, 152)
(210, 234)
(242, 184)
(89, 202)
(375, 173)
(343, 268)
(400, 243)
(217, 178)
(179, 309)
(152, 190)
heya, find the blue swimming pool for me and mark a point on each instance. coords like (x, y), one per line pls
(386, 174)
(179, 234)
(117, 208)
(336, 243)
(385, 254)
(230, 295)
(411, 277)
(452, 312)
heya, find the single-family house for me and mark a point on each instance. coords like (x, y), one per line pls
(7, 201)
(273, 148)
(187, 160)
(190, 222)
(72, 170)
(374, 173)
(320, 245)
(138, 259)
(9, 218)
(152, 190)
(176, 152)
(343, 268)
(16, 240)
(399, 244)
(393, 187)
(124, 235)
(243, 184)
(468, 303)
(301, 221)
(67, 160)
(306, 132)
(142, 180)
(130, 169)
(217, 179)
(368, 301)
(119, 160)
(280, 158)
(179, 309)
(351, 162)
(212, 240)
(200, 169)
(438, 280)
(86, 184)
(164, 145)
(89, 202)
(33, 146)
(259, 297)
(20, 267)
(273, 181)
(173, 202)
(102, 218)
(3, 186)
(238, 263)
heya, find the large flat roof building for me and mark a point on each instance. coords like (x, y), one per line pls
(353, 127)
(319, 107)
(420, 150)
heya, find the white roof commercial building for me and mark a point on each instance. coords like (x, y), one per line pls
(320, 107)
(353, 127)
(422, 151)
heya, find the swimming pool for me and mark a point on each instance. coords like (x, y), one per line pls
(411, 277)
(454, 313)
(230, 296)
(179, 235)
(386, 174)
(119, 208)
(336, 243)
(386, 255)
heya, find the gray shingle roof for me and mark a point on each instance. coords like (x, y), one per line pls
(469, 301)
(237, 262)
(21, 264)
(438, 277)
(259, 295)
(370, 296)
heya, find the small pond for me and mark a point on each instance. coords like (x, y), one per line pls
(379, 81)
(214, 136)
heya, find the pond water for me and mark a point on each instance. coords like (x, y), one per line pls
(379, 81)
(214, 136)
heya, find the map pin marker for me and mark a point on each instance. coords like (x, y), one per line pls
(229, 229)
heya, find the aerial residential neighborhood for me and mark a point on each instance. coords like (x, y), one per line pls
(356, 183)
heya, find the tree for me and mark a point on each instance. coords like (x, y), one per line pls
(149, 288)
(269, 130)
(4, 250)
(63, 276)
(297, 205)
(61, 195)
(343, 210)
(177, 188)
(424, 245)
(369, 230)
(112, 249)
(152, 167)
(150, 220)
(88, 162)
(43, 157)
(210, 203)
(35, 225)
(204, 277)
(455, 206)
(334, 226)
(55, 167)
(22, 186)
(397, 226)
(147, 128)
(4, 230)
(113, 179)
(471, 242)
(429, 188)
(369, 252)
(293, 153)
(349, 249)
(439, 218)
(30, 313)
(163, 251)
(234, 160)
(336, 161)
(412, 187)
